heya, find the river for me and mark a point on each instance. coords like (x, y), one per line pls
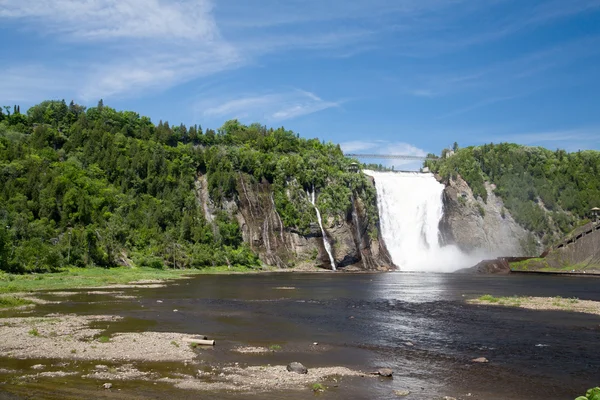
(416, 324)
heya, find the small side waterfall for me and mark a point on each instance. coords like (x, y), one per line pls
(326, 243)
(410, 209)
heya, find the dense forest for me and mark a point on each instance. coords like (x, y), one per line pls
(547, 192)
(99, 187)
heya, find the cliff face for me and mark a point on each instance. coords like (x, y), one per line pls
(277, 245)
(475, 225)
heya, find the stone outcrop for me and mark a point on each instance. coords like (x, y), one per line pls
(276, 245)
(478, 226)
(498, 266)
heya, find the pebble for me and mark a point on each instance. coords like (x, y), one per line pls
(107, 385)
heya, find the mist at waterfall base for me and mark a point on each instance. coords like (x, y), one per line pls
(410, 209)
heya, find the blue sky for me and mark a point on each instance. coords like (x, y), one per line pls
(392, 76)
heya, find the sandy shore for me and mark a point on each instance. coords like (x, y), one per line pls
(76, 338)
(70, 337)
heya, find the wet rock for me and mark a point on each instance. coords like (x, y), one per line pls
(480, 360)
(107, 385)
(409, 344)
(383, 372)
(401, 392)
(297, 368)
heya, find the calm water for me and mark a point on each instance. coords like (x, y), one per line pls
(365, 321)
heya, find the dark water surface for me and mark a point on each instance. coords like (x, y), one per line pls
(365, 321)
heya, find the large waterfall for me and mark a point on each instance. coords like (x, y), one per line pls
(410, 209)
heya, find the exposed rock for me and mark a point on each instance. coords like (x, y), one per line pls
(401, 393)
(480, 360)
(297, 368)
(276, 245)
(107, 385)
(475, 225)
(38, 366)
(387, 372)
(498, 266)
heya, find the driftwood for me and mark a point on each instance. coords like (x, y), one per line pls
(201, 342)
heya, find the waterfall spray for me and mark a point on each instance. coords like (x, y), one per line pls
(311, 198)
(410, 209)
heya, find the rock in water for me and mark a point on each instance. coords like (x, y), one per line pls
(297, 368)
(385, 372)
(480, 360)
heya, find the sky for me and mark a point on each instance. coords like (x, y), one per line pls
(377, 76)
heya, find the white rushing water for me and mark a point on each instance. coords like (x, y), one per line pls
(326, 243)
(410, 209)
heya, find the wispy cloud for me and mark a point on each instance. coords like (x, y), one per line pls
(569, 135)
(130, 45)
(386, 147)
(270, 107)
(479, 104)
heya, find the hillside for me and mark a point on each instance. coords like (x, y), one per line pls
(100, 187)
(548, 193)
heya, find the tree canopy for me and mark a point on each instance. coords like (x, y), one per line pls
(548, 192)
(101, 187)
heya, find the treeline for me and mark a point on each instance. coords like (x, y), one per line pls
(100, 187)
(547, 192)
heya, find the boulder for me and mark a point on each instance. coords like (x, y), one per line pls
(297, 368)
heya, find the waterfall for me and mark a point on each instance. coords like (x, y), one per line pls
(410, 209)
(311, 198)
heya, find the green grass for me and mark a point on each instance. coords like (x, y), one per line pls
(317, 387)
(174, 343)
(489, 298)
(274, 347)
(34, 332)
(514, 301)
(541, 265)
(104, 339)
(13, 301)
(86, 277)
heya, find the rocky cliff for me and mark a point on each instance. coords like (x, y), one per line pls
(284, 247)
(486, 227)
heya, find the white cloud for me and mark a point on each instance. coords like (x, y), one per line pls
(385, 148)
(569, 135)
(271, 107)
(108, 19)
(130, 45)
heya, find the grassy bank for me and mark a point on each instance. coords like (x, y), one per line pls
(541, 303)
(90, 277)
(541, 265)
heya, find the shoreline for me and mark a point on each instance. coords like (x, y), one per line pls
(540, 303)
